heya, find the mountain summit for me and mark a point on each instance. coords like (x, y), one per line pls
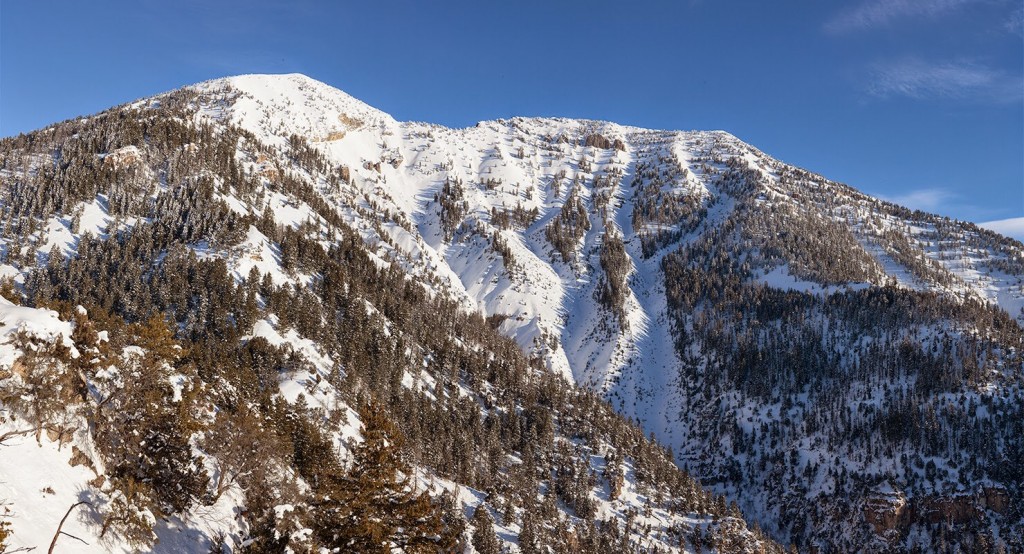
(845, 370)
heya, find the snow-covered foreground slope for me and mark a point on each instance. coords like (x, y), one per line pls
(717, 295)
(52, 482)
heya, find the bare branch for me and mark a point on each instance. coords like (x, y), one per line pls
(11, 434)
(57, 535)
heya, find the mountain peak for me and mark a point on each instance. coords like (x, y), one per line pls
(278, 105)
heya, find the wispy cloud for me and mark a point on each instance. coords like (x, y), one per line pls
(926, 199)
(1015, 22)
(915, 78)
(877, 13)
(1013, 227)
(941, 201)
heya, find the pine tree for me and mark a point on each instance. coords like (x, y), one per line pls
(240, 459)
(44, 388)
(528, 533)
(375, 507)
(485, 541)
(130, 512)
(454, 522)
(141, 430)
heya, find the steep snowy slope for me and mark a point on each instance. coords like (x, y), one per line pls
(525, 168)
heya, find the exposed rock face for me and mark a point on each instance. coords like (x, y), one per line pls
(953, 509)
(995, 499)
(596, 140)
(267, 168)
(122, 157)
(887, 512)
(890, 512)
(349, 121)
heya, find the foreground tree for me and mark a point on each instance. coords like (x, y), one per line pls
(376, 507)
(143, 433)
(42, 386)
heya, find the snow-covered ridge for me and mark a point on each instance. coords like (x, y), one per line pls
(637, 183)
(528, 164)
(504, 165)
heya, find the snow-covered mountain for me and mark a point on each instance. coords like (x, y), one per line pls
(847, 370)
(215, 338)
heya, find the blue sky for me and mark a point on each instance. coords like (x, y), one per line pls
(918, 101)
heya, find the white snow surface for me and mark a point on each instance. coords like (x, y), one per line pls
(40, 323)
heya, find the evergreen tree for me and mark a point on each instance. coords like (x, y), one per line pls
(528, 534)
(485, 541)
(375, 507)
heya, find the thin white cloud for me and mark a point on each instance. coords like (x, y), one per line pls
(877, 13)
(1013, 227)
(914, 78)
(926, 199)
(1015, 22)
(940, 201)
